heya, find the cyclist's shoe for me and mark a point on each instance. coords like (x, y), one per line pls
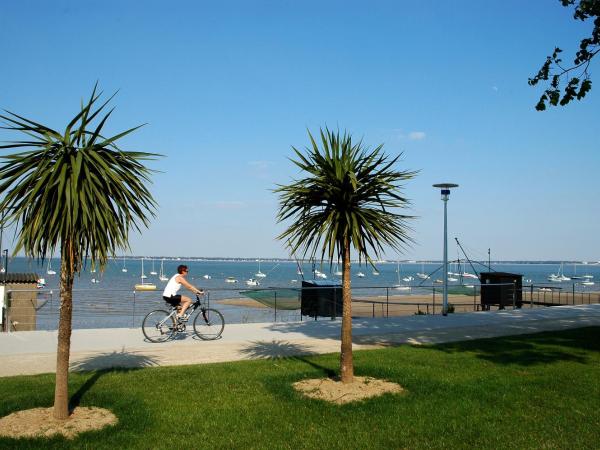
(182, 319)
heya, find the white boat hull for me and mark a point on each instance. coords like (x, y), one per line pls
(402, 288)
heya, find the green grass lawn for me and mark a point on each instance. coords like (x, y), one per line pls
(536, 391)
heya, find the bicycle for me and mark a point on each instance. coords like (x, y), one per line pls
(160, 325)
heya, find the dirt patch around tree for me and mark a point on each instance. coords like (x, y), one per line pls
(39, 422)
(335, 391)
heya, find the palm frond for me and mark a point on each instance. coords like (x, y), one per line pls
(349, 192)
(77, 187)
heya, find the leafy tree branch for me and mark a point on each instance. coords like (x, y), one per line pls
(567, 83)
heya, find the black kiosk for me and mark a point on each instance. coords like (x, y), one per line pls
(501, 289)
(321, 298)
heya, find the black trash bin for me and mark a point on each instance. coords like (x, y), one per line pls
(321, 298)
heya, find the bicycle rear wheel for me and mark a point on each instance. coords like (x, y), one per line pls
(209, 324)
(158, 326)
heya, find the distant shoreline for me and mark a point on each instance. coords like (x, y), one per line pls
(184, 259)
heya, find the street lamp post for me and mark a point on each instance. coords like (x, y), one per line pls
(445, 191)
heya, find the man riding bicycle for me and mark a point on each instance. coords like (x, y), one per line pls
(171, 296)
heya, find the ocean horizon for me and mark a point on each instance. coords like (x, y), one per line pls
(281, 272)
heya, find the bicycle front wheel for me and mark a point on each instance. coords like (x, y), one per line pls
(158, 326)
(209, 324)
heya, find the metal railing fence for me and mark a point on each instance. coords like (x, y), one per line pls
(39, 309)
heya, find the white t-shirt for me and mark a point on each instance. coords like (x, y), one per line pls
(172, 286)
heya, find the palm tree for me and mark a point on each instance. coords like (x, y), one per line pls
(347, 199)
(76, 192)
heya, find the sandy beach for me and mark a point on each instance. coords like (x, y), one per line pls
(403, 305)
(245, 302)
(382, 306)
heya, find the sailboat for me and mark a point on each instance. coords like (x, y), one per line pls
(153, 272)
(162, 276)
(469, 275)
(319, 274)
(422, 275)
(575, 276)
(144, 286)
(338, 272)
(50, 271)
(400, 286)
(124, 269)
(559, 277)
(252, 282)
(143, 274)
(259, 274)
(94, 279)
(457, 272)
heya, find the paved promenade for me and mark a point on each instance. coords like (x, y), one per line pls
(34, 352)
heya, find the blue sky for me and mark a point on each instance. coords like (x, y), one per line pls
(226, 88)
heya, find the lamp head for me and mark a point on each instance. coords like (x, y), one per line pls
(445, 189)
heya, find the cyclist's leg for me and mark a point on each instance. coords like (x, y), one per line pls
(185, 304)
(176, 301)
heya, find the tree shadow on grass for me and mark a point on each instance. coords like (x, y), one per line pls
(104, 363)
(277, 349)
(532, 349)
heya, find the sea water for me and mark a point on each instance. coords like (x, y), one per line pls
(112, 301)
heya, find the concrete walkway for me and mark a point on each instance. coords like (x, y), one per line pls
(34, 352)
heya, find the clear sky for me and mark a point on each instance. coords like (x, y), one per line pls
(226, 88)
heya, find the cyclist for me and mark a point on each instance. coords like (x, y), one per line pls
(171, 296)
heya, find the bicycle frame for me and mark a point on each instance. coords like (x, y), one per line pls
(193, 307)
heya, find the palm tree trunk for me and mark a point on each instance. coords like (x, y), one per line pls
(346, 362)
(61, 390)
